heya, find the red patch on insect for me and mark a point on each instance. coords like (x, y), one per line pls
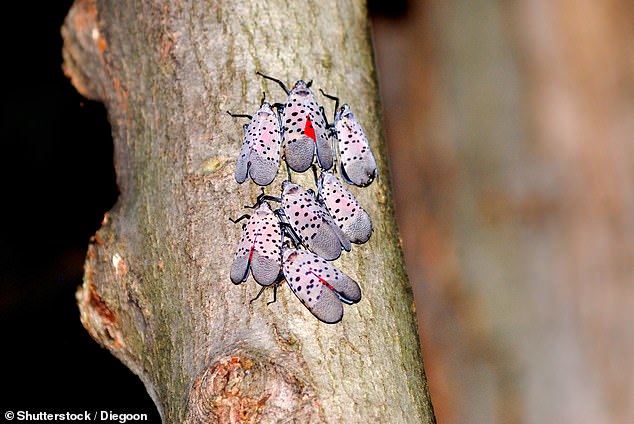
(309, 131)
(253, 246)
(322, 281)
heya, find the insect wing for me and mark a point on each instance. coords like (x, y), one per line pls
(344, 208)
(322, 139)
(265, 140)
(318, 285)
(259, 249)
(312, 223)
(304, 130)
(242, 164)
(358, 166)
(240, 265)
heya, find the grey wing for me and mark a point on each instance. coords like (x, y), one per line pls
(322, 302)
(344, 209)
(347, 289)
(299, 151)
(240, 266)
(266, 262)
(359, 228)
(343, 238)
(262, 171)
(360, 172)
(242, 164)
(265, 269)
(323, 144)
(265, 155)
(325, 238)
(358, 166)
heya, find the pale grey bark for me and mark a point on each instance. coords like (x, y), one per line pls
(156, 289)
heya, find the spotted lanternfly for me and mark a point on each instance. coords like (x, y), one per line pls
(348, 214)
(357, 163)
(318, 285)
(304, 128)
(312, 223)
(260, 153)
(260, 248)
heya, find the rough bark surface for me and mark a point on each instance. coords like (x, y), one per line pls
(156, 290)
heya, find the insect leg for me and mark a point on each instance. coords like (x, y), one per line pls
(264, 197)
(286, 90)
(328, 125)
(274, 295)
(288, 229)
(314, 168)
(245, 216)
(258, 295)
(240, 115)
(288, 172)
(278, 106)
(336, 99)
(290, 233)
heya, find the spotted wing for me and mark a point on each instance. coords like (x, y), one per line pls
(266, 261)
(242, 164)
(318, 285)
(299, 134)
(322, 138)
(344, 208)
(259, 249)
(358, 166)
(241, 258)
(312, 223)
(264, 159)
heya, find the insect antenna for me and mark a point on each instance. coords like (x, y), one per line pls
(274, 80)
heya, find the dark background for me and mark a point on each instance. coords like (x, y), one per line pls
(58, 182)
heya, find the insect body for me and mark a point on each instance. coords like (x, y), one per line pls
(312, 223)
(319, 285)
(348, 214)
(357, 162)
(260, 153)
(259, 249)
(304, 128)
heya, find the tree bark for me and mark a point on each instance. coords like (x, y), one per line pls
(156, 289)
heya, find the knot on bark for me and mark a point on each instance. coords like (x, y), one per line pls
(97, 317)
(245, 389)
(84, 48)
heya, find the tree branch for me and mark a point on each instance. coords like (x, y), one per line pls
(156, 290)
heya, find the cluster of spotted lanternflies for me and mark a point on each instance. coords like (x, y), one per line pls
(296, 242)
